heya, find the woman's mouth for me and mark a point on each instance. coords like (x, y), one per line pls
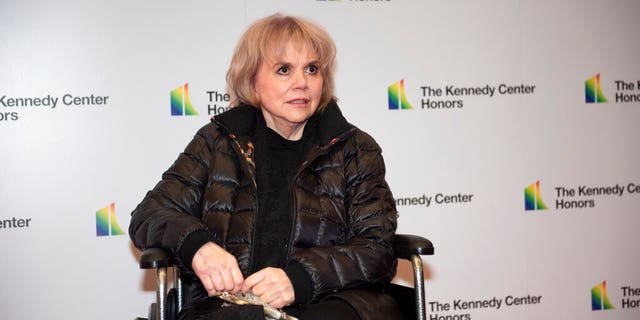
(299, 101)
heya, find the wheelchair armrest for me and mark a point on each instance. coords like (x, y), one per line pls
(154, 258)
(406, 245)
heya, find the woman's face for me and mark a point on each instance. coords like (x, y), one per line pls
(289, 88)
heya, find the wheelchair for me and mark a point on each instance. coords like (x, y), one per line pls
(411, 301)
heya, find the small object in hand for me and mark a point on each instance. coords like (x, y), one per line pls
(270, 312)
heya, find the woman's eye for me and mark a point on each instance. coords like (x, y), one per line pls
(312, 69)
(283, 70)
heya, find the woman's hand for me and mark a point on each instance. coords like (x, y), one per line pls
(217, 269)
(272, 286)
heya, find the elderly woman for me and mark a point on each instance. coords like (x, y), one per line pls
(279, 196)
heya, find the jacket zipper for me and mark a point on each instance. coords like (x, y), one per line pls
(314, 154)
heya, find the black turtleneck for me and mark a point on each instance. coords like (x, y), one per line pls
(276, 164)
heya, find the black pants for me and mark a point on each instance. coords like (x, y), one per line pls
(332, 309)
(216, 309)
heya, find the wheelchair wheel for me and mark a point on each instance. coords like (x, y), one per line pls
(172, 305)
(152, 311)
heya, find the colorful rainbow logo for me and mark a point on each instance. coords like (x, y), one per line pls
(397, 97)
(593, 90)
(106, 223)
(599, 298)
(180, 102)
(532, 198)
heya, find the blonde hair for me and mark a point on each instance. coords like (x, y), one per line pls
(268, 37)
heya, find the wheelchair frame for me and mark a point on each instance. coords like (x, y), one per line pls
(408, 247)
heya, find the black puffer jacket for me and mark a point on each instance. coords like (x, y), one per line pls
(344, 213)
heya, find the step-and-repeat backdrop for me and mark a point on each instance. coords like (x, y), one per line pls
(509, 128)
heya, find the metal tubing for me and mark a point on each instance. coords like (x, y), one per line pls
(418, 281)
(161, 279)
(177, 284)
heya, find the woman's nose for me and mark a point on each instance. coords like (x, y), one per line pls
(300, 80)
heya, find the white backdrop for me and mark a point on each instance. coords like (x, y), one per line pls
(61, 163)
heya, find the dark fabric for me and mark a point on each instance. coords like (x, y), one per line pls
(333, 309)
(385, 307)
(276, 161)
(216, 309)
(405, 298)
(344, 215)
(301, 282)
(192, 243)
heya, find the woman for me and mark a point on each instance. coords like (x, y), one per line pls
(279, 196)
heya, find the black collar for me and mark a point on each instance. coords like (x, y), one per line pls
(241, 121)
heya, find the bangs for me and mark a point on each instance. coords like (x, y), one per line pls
(287, 30)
